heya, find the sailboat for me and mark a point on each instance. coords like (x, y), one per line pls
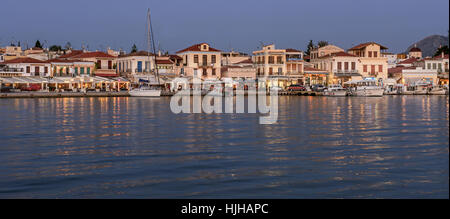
(149, 89)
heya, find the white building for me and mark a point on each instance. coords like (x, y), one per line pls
(25, 67)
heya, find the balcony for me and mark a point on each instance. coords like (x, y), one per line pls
(11, 70)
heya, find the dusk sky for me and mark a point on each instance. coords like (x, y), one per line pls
(237, 24)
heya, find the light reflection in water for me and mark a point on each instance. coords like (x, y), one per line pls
(394, 146)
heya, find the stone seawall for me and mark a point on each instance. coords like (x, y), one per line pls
(62, 94)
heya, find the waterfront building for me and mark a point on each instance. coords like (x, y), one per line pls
(318, 52)
(341, 67)
(25, 67)
(392, 59)
(233, 57)
(105, 64)
(372, 63)
(201, 61)
(135, 63)
(244, 70)
(270, 61)
(71, 68)
(314, 76)
(11, 52)
(413, 75)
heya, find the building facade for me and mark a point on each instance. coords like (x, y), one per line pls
(372, 63)
(201, 61)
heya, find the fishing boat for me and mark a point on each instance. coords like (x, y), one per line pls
(366, 88)
(421, 88)
(335, 90)
(437, 91)
(148, 89)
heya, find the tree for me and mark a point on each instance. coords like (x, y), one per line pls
(309, 47)
(134, 48)
(441, 49)
(322, 43)
(55, 48)
(38, 44)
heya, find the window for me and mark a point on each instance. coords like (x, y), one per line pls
(434, 65)
(364, 68)
(213, 58)
(339, 67)
(28, 69)
(375, 54)
(353, 65)
(81, 70)
(88, 70)
(372, 69)
(195, 58)
(279, 60)
(205, 60)
(370, 54)
(280, 71)
(99, 64)
(213, 71)
(429, 65)
(440, 66)
(270, 71)
(380, 68)
(346, 65)
(271, 60)
(76, 70)
(204, 47)
(45, 69)
(204, 72)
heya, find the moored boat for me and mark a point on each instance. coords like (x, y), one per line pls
(335, 90)
(366, 88)
(437, 91)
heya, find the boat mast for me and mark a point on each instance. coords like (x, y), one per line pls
(150, 35)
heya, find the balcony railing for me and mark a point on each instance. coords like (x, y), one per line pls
(11, 69)
(345, 71)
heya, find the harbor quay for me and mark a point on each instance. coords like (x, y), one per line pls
(363, 70)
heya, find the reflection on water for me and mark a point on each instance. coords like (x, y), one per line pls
(321, 147)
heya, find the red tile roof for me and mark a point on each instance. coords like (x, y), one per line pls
(140, 53)
(338, 54)
(93, 55)
(23, 60)
(395, 70)
(408, 61)
(292, 50)
(197, 48)
(164, 61)
(363, 45)
(247, 61)
(73, 53)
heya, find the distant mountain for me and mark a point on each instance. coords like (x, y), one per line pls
(430, 44)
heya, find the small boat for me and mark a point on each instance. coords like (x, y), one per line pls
(391, 87)
(145, 92)
(437, 91)
(421, 89)
(335, 90)
(366, 88)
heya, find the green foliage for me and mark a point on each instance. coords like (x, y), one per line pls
(439, 51)
(309, 47)
(55, 48)
(322, 43)
(38, 44)
(134, 48)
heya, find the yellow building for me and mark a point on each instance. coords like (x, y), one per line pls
(341, 67)
(372, 64)
(201, 61)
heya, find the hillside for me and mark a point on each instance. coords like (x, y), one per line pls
(430, 44)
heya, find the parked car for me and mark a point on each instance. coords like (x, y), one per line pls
(6, 89)
(318, 88)
(32, 87)
(296, 87)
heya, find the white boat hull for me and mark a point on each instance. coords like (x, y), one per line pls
(338, 93)
(437, 92)
(369, 92)
(420, 92)
(145, 93)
